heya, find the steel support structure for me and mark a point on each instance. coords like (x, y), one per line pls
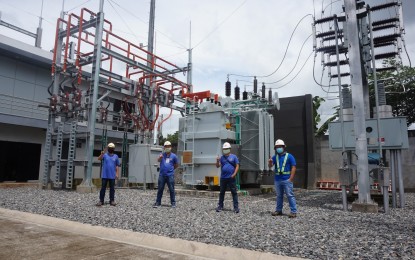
(87, 185)
(359, 109)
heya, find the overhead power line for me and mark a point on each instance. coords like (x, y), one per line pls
(285, 54)
(296, 62)
(270, 83)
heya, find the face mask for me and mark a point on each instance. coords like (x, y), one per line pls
(226, 151)
(167, 150)
(280, 150)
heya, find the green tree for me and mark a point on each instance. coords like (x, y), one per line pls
(400, 89)
(173, 138)
(319, 131)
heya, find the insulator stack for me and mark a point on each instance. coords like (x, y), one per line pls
(270, 96)
(347, 98)
(263, 91)
(237, 92)
(245, 95)
(255, 85)
(314, 37)
(381, 93)
(228, 88)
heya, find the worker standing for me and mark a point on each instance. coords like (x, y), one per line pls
(285, 167)
(110, 172)
(168, 163)
(229, 164)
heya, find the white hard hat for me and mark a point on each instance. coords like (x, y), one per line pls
(167, 143)
(111, 145)
(279, 142)
(226, 145)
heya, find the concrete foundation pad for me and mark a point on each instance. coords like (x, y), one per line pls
(365, 207)
(266, 189)
(8, 185)
(86, 189)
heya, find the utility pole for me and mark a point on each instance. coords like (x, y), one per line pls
(364, 203)
(150, 63)
(38, 40)
(189, 64)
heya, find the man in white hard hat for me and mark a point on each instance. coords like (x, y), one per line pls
(168, 162)
(110, 172)
(285, 167)
(229, 164)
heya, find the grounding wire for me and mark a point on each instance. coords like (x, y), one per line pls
(126, 25)
(77, 6)
(314, 77)
(21, 10)
(295, 74)
(132, 33)
(331, 4)
(406, 51)
(220, 24)
(285, 54)
(141, 20)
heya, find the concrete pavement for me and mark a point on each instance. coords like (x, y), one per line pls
(30, 236)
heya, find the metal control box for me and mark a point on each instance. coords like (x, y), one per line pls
(393, 134)
(142, 167)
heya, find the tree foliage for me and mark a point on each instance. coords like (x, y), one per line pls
(399, 88)
(319, 131)
(173, 138)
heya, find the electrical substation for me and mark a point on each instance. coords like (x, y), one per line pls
(107, 87)
(61, 106)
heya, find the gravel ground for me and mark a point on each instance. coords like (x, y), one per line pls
(322, 229)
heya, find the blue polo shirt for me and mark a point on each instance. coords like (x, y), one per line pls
(228, 165)
(167, 164)
(109, 165)
(290, 162)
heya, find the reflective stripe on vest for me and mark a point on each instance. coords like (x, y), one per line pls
(280, 170)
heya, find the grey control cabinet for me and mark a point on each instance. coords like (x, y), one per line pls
(142, 167)
(393, 134)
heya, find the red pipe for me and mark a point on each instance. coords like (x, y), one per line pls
(56, 45)
(164, 120)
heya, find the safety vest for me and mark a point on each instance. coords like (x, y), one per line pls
(279, 170)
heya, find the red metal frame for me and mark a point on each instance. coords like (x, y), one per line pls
(129, 50)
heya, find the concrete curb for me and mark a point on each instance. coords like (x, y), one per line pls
(179, 246)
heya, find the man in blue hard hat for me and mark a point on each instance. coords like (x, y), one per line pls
(229, 164)
(285, 167)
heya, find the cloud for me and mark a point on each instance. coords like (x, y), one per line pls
(249, 41)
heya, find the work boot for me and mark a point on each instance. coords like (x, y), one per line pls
(276, 213)
(112, 203)
(292, 215)
(99, 204)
